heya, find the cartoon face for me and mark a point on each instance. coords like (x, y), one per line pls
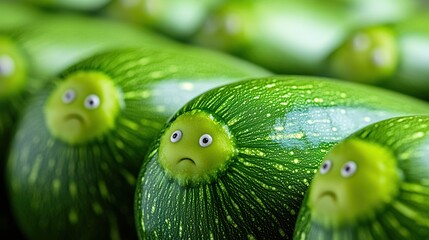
(12, 69)
(195, 147)
(355, 179)
(369, 55)
(82, 107)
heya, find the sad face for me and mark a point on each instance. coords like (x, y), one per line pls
(355, 179)
(82, 108)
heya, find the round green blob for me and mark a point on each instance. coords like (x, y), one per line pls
(195, 148)
(13, 69)
(83, 107)
(351, 170)
(369, 56)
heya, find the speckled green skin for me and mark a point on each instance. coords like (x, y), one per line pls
(402, 207)
(85, 190)
(282, 127)
(79, 5)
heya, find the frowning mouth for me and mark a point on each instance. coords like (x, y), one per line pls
(328, 194)
(187, 159)
(74, 116)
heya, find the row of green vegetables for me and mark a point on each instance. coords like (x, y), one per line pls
(383, 43)
(113, 132)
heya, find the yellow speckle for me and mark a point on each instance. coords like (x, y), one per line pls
(279, 128)
(103, 189)
(270, 85)
(318, 100)
(73, 217)
(343, 95)
(279, 167)
(160, 108)
(156, 74)
(251, 237)
(268, 114)
(284, 103)
(292, 212)
(367, 119)
(35, 169)
(96, 207)
(56, 186)
(187, 86)
(418, 135)
(143, 61)
(334, 129)
(73, 189)
(296, 160)
(119, 144)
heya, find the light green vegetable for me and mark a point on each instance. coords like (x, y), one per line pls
(237, 160)
(373, 185)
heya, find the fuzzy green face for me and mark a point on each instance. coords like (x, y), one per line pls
(355, 179)
(12, 69)
(368, 56)
(195, 148)
(82, 108)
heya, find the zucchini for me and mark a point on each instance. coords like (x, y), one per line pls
(178, 19)
(76, 5)
(75, 156)
(372, 185)
(14, 15)
(279, 35)
(237, 160)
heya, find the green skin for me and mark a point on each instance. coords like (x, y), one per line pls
(279, 35)
(72, 170)
(383, 196)
(166, 16)
(279, 130)
(368, 56)
(80, 5)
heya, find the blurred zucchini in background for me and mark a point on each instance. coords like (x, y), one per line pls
(13, 15)
(295, 37)
(392, 56)
(74, 5)
(178, 19)
(237, 160)
(79, 146)
(373, 185)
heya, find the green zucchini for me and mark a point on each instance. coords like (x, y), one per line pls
(75, 157)
(390, 56)
(178, 19)
(372, 185)
(13, 15)
(284, 36)
(237, 160)
(77, 5)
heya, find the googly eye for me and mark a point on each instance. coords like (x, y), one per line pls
(92, 101)
(326, 166)
(176, 136)
(348, 169)
(205, 140)
(7, 66)
(69, 96)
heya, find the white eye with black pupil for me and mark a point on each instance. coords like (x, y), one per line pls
(7, 66)
(205, 140)
(176, 136)
(69, 96)
(348, 169)
(326, 166)
(92, 101)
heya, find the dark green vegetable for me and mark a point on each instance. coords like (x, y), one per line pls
(79, 5)
(237, 160)
(78, 148)
(372, 185)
